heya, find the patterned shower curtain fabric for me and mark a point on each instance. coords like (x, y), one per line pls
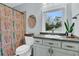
(11, 30)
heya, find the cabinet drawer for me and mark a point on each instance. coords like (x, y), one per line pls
(62, 52)
(52, 43)
(70, 46)
(38, 41)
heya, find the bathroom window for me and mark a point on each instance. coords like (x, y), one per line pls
(54, 20)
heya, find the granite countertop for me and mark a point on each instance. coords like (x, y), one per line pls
(55, 33)
(62, 38)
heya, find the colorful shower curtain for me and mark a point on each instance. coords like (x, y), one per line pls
(11, 30)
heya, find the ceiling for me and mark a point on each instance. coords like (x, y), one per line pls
(17, 4)
(13, 4)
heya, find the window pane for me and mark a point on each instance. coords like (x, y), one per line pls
(54, 19)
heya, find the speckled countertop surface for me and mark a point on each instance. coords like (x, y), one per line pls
(62, 38)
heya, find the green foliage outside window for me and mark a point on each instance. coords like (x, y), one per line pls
(50, 24)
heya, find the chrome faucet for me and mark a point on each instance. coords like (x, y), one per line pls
(53, 29)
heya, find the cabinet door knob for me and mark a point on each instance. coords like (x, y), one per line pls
(50, 51)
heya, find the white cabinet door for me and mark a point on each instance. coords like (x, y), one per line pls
(62, 52)
(40, 50)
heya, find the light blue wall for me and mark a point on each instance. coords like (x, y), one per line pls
(75, 10)
(32, 8)
(35, 9)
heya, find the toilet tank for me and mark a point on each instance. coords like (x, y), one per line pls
(29, 40)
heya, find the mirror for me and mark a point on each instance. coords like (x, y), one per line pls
(31, 21)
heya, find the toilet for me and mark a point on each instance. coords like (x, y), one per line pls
(26, 49)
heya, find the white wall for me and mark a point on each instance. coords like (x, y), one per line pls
(75, 10)
(32, 9)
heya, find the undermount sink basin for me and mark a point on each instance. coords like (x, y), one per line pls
(53, 36)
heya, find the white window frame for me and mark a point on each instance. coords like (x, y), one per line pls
(44, 21)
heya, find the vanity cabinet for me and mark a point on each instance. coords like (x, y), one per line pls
(62, 52)
(70, 46)
(47, 47)
(40, 50)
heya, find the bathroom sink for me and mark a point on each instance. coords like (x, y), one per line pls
(53, 36)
